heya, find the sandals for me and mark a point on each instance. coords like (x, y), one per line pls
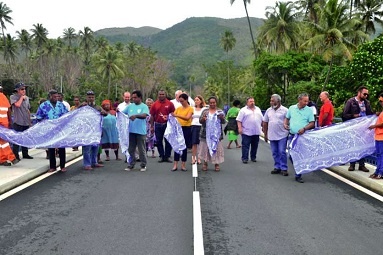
(216, 168)
(238, 146)
(375, 176)
(204, 166)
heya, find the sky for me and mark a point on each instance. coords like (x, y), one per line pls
(57, 15)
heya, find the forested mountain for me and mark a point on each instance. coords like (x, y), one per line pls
(191, 43)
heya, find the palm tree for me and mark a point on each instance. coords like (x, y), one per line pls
(101, 43)
(228, 42)
(354, 3)
(133, 48)
(311, 9)
(245, 2)
(4, 17)
(25, 41)
(86, 43)
(119, 46)
(69, 35)
(370, 11)
(10, 51)
(109, 63)
(332, 36)
(281, 30)
(39, 35)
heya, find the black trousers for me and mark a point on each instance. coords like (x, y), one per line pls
(16, 147)
(52, 157)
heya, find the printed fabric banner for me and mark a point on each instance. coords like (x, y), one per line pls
(123, 133)
(174, 135)
(213, 133)
(75, 128)
(334, 145)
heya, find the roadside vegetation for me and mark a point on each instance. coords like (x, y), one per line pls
(305, 45)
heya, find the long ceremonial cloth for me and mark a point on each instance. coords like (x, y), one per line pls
(174, 135)
(75, 128)
(334, 145)
(123, 133)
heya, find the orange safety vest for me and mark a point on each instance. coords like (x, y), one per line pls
(6, 153)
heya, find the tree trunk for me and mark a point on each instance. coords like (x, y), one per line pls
(251, 31)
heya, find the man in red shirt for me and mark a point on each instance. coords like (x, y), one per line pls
(159, 113)
(326, 114)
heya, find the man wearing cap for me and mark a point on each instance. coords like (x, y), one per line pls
(21, 116)
(49, 110)
(90, 151)
(6, 155)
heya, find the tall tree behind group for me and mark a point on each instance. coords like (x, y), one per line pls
(227, 43)
(5, 11)
(245, 2)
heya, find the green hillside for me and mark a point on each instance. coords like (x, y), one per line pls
(191, 43)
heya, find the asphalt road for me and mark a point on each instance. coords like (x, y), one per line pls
(105, 211)
(245, 210)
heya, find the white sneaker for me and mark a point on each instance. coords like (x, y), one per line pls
(143, 169)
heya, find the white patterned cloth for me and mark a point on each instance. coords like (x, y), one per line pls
(123, 133)
(174, 135)
(334, 145)
(76, 128)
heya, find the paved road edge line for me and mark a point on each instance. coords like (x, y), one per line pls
(31, 175)
(373, 186)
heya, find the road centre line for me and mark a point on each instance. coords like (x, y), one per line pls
(197, 225)
(34, 181)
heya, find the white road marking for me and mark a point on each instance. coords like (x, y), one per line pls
(195, 170)
(197, 225)
(35, 180)
(354, 185)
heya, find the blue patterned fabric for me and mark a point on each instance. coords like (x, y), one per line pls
(174, 135)
(334, 145)
(123, 133)
(109, 130)
(75, 128)
(213, 132)
(47, 111)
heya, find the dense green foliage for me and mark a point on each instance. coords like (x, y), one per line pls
(302, 46)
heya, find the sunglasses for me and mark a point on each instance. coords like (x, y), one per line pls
(22, 89)
(365, 94)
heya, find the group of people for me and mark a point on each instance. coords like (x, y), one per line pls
(201, 126)
(281, 124)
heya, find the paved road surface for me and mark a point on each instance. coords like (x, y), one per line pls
(245, 210)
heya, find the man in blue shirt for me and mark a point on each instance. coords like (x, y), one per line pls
(137, 113)
(299, 118)
(49, 110)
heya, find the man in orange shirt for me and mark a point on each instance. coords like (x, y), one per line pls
(326, 114)
(378, 143)
(6, 155)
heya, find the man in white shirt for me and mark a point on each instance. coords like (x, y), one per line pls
(61, 99)
(175, 101)
(126, 102)
(249, 122)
